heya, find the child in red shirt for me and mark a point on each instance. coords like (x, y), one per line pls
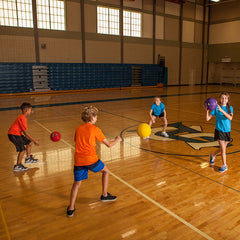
(15, 135)
(86, 157)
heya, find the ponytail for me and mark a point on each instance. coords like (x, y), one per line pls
(228, 107)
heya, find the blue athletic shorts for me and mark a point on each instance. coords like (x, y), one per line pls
(81, 172)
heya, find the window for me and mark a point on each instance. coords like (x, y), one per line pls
(108, 22)
(18, 13)
(131, 24)
(51, 14)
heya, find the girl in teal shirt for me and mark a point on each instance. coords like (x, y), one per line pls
(224, 115)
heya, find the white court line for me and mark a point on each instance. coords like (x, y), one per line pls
(163, 208)
(71, 146)
(5, 223)
(144, 195)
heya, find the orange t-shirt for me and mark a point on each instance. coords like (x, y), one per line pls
(18, 125)
(85, 144)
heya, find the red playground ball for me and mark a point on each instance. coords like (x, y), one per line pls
(55, 136)
(211, 103)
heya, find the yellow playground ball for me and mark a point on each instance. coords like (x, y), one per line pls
(143, 130)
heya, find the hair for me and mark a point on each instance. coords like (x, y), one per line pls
(25, 106)
(228, 103)
(157, 97)
(88, 113)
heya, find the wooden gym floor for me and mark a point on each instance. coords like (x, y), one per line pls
(165, 187)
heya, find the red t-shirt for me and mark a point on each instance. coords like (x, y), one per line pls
(85, 144)
(18, 125)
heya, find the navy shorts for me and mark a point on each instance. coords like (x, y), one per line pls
(19, 141)
(223, 136)
(161, 115)
(81, 172)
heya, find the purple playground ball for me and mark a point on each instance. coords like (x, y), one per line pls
(211, 103)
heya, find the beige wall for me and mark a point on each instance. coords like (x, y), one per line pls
(224, 35)
(198, 32)
(17, 48)
(159, 27)
(227, 32)
(226, 11)
(171, 61)
(147, 29)
(188, 10)
(61, 50)
(102, 52)
(90, 18)
(138, 53)
(191, 66)
(171, 29)
(73, 16)
(188, 31)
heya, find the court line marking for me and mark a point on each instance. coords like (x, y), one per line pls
(143, 195)
(154, 153)
(162, 207)
(51, 132)
(4, 223)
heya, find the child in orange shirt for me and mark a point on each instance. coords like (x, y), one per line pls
(18, 127)
(86, 157)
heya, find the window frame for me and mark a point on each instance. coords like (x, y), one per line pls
(131, 22)
(19, 13)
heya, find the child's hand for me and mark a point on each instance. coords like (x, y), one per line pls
(118, 138)
(36, 142)
(219, 108)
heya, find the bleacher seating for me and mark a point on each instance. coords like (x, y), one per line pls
(18, 77)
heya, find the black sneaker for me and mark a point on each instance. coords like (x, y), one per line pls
(70, 213)
(31, 159)
(19, 168)
(108, 198)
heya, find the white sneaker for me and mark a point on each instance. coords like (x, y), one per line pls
(19, 168)
(164, 134)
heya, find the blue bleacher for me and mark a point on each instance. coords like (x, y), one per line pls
(17, 77)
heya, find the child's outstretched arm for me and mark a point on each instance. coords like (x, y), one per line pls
(112, 143)
(30, 137)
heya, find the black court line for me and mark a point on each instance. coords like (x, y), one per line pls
(110, 100)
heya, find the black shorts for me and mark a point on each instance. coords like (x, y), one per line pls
(161, 115)
(223, 136)
(19, 141)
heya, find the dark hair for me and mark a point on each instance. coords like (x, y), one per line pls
(228, 103)
(25, 106)
(88, 113)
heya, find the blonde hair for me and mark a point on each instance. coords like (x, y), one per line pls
(88, 113)
(157, 97)
(228, 103)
